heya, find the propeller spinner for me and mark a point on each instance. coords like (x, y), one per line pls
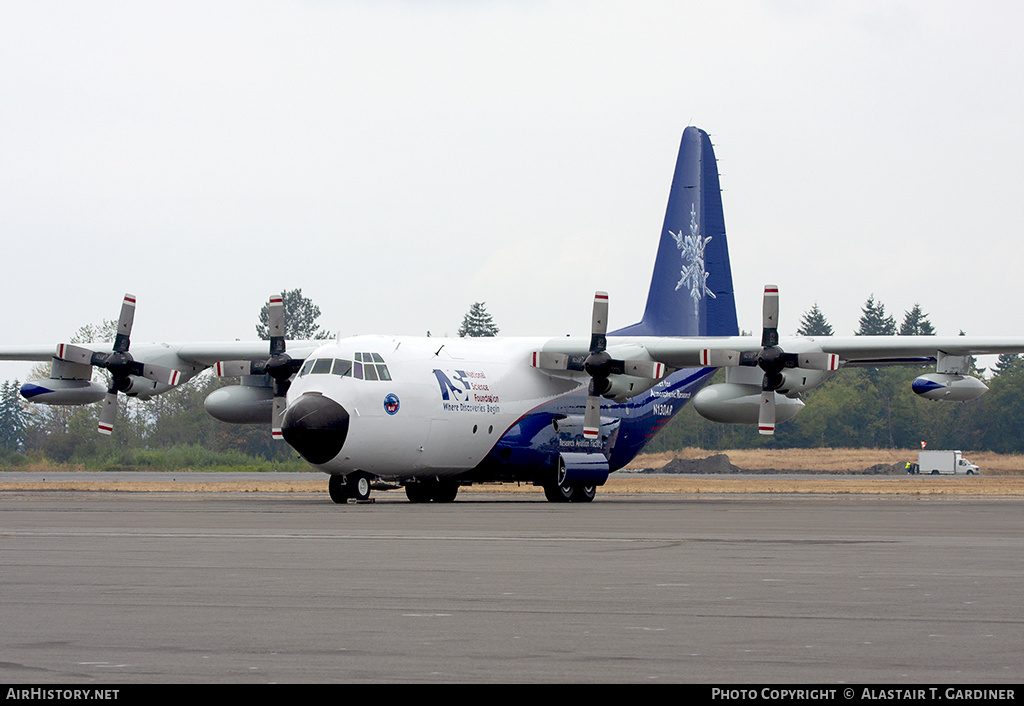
(119, 363)
(771, 359)
(280, 366)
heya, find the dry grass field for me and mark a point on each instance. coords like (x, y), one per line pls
(837, 471)
(829, 460)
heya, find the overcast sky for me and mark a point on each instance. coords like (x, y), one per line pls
(399, 161)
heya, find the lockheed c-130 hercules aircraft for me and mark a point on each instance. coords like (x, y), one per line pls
(434, 414)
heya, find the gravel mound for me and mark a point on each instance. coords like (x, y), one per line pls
(720, 464)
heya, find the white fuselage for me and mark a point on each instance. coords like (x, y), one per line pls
(446, 403)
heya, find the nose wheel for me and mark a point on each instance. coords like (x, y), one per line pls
(355, 486)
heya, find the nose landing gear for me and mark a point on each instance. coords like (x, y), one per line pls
(355, 486)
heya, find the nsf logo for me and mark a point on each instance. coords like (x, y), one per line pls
(391, 403)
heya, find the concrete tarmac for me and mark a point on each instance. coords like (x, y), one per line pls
(103, 587)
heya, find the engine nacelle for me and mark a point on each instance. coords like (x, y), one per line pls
(52, 391)
(623, 387)
(735, 403)
(143, 388)
(241, 404)
(948, 386)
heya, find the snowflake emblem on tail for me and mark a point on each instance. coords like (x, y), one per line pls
(693, 275)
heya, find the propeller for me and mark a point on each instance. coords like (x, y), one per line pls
(599, 365)
(119, 363)
(280, 366)
(771, 359)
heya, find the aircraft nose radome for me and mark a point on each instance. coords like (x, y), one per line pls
(316, 427)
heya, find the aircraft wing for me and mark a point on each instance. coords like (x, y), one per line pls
(207, 354)
(751, 395)
(30, 352)
(896, 350)
(852, 350)
(179, 355)
(149, 369)
(687, 352)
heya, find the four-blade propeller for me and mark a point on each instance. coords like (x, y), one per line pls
(119, 363)
(599, 365)
(771, 359)
(279, 366)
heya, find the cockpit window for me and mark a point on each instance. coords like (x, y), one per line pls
(366, 366)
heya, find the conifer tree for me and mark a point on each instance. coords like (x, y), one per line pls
(300, 315)
(916, 323)
(873, 320)
(1008, 362)
(814, 323)
(12, 417)
(477, 322)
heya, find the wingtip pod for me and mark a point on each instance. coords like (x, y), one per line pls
(948, 387)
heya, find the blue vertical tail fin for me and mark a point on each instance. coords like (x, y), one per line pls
(691, 290)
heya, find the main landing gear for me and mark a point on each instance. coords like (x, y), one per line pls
(432, 491)
(575, 493)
